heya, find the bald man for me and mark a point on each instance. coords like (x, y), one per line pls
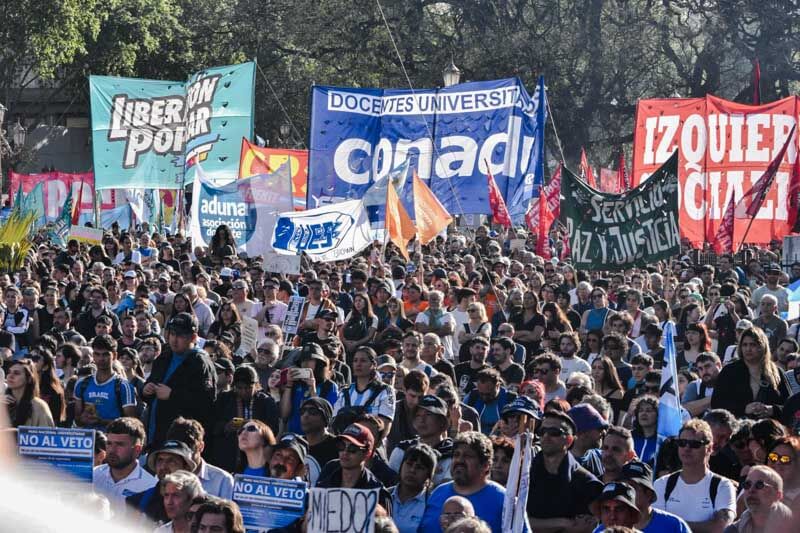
(455, 508)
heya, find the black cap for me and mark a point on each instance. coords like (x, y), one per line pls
(620, 492)
(293, 442)
(182, 324)
(322, 405)
(433, 404)
(312, 350)
(638, 472)
(327, 314)
(224, 365)
(774, 268)
(245, 374)
(440, 273)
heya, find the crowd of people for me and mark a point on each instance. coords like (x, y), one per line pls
(414, 378)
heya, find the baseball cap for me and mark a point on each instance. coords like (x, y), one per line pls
(620, 492)
(523, 404)
(182, 324)
(164, 276)
(586, 418)
(638, 472)
(744, 324)
(439, 273)
(774, 268)
(224, 365)
(322, 405)
(386, 360)
(226, 273)
(239, 284)
(327, 314)
(296, 443)
(433, 404)
(130, 274)
(358, 435)
(312, 350)
(175, 447)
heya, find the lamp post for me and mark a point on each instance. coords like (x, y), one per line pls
(451, 74)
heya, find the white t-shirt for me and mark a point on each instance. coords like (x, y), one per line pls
(461, 318)
(447, 340)
(572, 365)
(139, 480)
(693, 502)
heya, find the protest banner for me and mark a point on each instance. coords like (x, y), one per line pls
(327, 233)
(359, 135)
(66, 449)
(146, 132)
(724, 149)
(248, 207)
(281, 264)
(342, 510)
(616, 231)
(90, 236)
(268, 503)
(55, 186)
(259, 160)
(518, 485)
(249, 336)
(292, 318)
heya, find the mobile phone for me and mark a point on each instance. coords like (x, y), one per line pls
(411, 268)
(301, 373)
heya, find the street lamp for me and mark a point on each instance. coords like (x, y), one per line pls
(451, 74)
(18, 134)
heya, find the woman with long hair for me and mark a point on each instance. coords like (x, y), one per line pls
(246, 401)
(25, 407)
(596, 317)
(529, 324)
(752, 386)
(50, 388)
(45, 312)
(127, 254)
(134, 371)
(97, 254)
(556, 324)
(255, 446)
(607, 383)
(228, 322)
(697, 341)
(395, 320)
(359, 326)
(663, 312)
(593, 346)
(221, 243)
(645, 425)
(477, 324)
(110, 246)
(181, 304)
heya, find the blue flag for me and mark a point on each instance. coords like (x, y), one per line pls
(519, 192)
(669, 405)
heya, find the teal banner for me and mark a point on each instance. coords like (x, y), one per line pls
(150, 134)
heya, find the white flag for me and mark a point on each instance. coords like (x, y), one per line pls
(519, 473)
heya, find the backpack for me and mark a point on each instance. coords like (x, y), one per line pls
(349, 413)
(80, 390)
(713, 487)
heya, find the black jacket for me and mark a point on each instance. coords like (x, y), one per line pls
(732, 391)
(331, 477)
(86, 321)
(224, 447)
(149, 503)
(194, 389)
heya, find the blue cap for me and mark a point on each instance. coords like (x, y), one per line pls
(523, 404)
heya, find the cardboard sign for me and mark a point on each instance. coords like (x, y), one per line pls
(66, 449)
(292, 318)
(342, 510)
(268, 503)
(281, 264)
(90, 236)
(517, 244)
(249, 335)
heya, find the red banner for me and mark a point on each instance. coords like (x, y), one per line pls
(724, 148)
(55, 189)
(257, 160)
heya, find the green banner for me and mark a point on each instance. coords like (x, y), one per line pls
(616, 231)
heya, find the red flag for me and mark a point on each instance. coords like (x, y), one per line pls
(586, 170)
(794, 196)
(546, 219)
(496, 203)
(756, 83)
(756, 194)
(552, 193)
(622, 174)
(723, 240)
(76, 208)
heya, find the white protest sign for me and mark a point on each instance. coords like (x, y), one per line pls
(281, 264)
(249, 335)
(292, 318)
(342, 510)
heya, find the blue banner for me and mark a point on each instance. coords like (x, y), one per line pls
(268, 503)
(68, 450)
(146, 132)
(447, 135)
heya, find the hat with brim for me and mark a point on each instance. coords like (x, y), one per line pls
(293, 442)
(620, 492)
(523, 405)
(173, 447)
(639, 473)
(312, 350)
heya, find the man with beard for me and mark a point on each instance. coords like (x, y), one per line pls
(568, 345)
(410, 496)
(489, 398)
(591, 427)
(616, 452)
(122, 475)
(216, 481)
(467, 372)
(697, 396)
(780, 293)
(554, 473)
(472, 462)
(503, 352)
(288, 458)
(431, 423)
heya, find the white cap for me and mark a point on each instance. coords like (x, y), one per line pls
(130, 274)
(226, 273)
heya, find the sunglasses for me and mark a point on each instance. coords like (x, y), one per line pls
(693, 444)
(758, 485)
(387, 375)
(554, 432)
(775, 458)
(249, 429)
(349, 448)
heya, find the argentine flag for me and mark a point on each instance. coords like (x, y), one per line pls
(670, 417)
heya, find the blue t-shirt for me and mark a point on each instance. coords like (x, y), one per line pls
(299, 395)
(488, 504)
(104, 396)
(660, 522)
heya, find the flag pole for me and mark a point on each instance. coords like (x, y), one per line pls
(746, 231)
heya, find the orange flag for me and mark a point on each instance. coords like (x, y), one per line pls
(431, 216)
(399, 226)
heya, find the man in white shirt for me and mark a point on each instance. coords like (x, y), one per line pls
(771, 287)
(273, 311)
(465, 297)
(122, 476)
(435, 319)
(568, 344)
(706, 501)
